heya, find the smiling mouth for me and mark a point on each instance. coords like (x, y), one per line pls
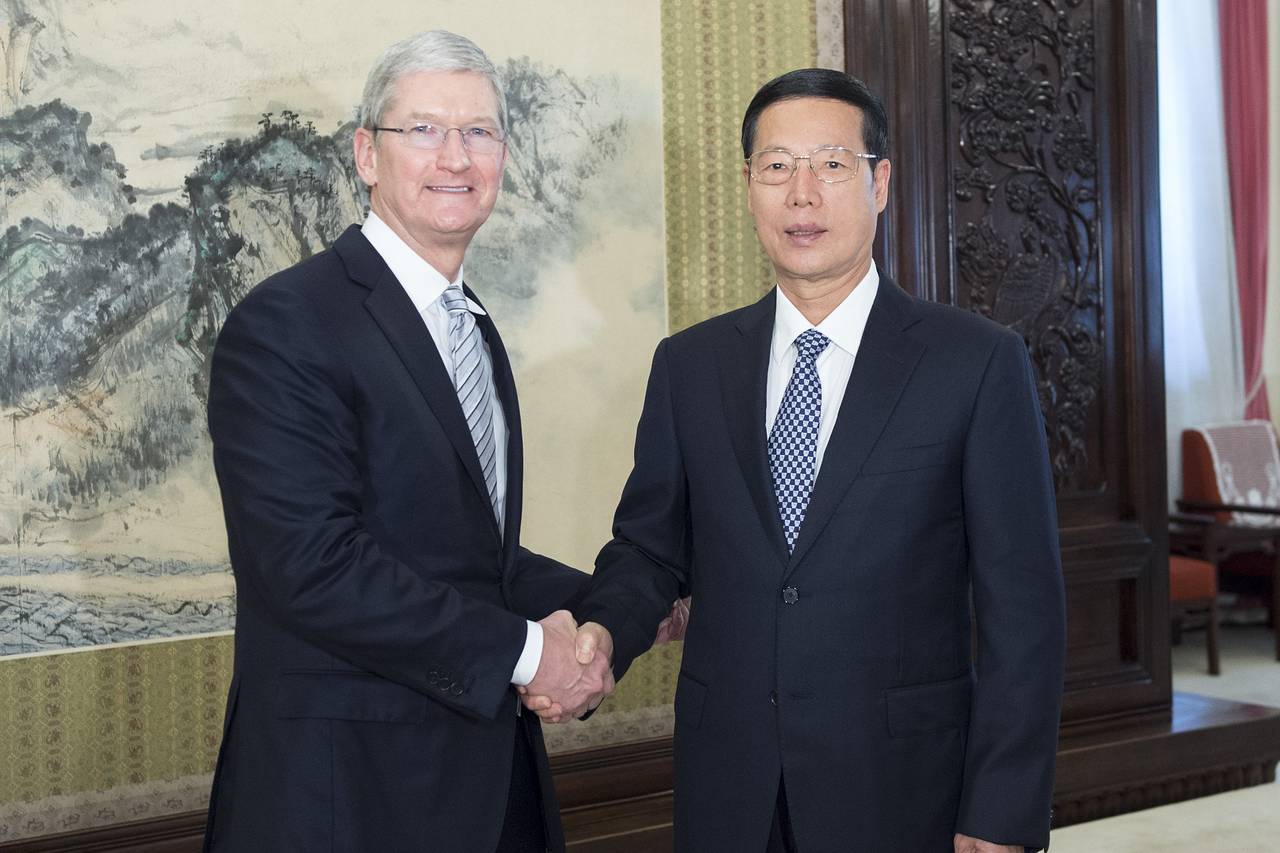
(450, 189)
(805, 231)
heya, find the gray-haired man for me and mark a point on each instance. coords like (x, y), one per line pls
(367, 443)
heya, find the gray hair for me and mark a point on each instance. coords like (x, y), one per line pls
(436, 50)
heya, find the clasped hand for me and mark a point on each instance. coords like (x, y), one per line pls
(575, 672)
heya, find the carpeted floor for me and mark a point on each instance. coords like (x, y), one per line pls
(1235, 822)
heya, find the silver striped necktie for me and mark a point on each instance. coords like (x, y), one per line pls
(472, 380)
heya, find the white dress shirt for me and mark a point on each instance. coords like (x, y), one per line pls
(844, 327)
(425, 285)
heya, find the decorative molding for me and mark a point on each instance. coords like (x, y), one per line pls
(618, 799)
(1122, 799)
(1206, 746)
(93, 810)
(613, 800)
(179, 833)
(574, 746)
(1025, 195)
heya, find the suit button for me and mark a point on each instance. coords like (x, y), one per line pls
(455, 689)
(790, 595)
(773, 698)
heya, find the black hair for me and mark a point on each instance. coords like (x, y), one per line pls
(821, 83)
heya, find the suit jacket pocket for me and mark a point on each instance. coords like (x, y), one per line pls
(691, 695)
(923, 708)
(339, 695)
(890, 459)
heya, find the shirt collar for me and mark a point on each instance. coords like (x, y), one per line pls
(843, 326)
(423, 282)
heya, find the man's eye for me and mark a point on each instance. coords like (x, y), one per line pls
(479, 132)
(422, 129)
(834, 166)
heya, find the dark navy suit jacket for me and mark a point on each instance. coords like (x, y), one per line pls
(847, 664)
(379, 612)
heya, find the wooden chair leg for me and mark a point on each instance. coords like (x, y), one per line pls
(1275, 599)
(1212, 638)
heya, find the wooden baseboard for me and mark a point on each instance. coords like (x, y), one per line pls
(612, 800)
(618, 799)
(178, 833)
(1207, 746)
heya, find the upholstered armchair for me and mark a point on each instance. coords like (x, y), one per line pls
(1231, 501)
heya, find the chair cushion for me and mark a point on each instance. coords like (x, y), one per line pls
(1191, 579)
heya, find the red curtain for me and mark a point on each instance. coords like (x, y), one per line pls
(1244, 88)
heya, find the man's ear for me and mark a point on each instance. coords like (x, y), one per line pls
(365, 149)
(881, 177)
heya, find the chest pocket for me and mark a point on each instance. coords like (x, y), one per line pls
(892, 459)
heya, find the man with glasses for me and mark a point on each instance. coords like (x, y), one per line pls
(367, 444)
(837, 472)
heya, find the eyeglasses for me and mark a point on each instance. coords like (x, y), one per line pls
(830, 164)
(479, 139)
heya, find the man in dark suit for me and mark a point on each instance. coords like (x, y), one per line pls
(367, 444)
(837, 472)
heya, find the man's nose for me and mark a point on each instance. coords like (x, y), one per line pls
(805, 186)
(453, 154)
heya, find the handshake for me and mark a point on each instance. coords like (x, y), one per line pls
(575, 671)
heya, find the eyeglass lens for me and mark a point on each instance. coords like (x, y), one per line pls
(831, 165)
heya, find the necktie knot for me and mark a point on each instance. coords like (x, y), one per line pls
(810, 344)
(454, 299)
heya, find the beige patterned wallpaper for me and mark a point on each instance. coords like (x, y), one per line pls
(101, 736)
(95, 737)
(715, 55)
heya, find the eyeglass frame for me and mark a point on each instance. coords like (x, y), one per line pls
(795, 164)
(498, 135)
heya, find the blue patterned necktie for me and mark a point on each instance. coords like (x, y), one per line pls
(793, 441)
(472, 381)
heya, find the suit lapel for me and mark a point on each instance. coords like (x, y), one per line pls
(886, 359)
(744, 373)
(399, 320)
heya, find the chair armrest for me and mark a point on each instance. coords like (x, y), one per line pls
(1201, 507)
(1195, 535)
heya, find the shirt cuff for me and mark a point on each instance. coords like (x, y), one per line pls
(527, 666)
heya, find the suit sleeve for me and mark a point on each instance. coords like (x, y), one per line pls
(540, 585)
(642, 569)
(1011, 527)
(287, 450)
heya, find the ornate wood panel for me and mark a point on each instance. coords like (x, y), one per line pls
(1026, 189)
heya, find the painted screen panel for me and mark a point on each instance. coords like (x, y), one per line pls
(158, 165)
